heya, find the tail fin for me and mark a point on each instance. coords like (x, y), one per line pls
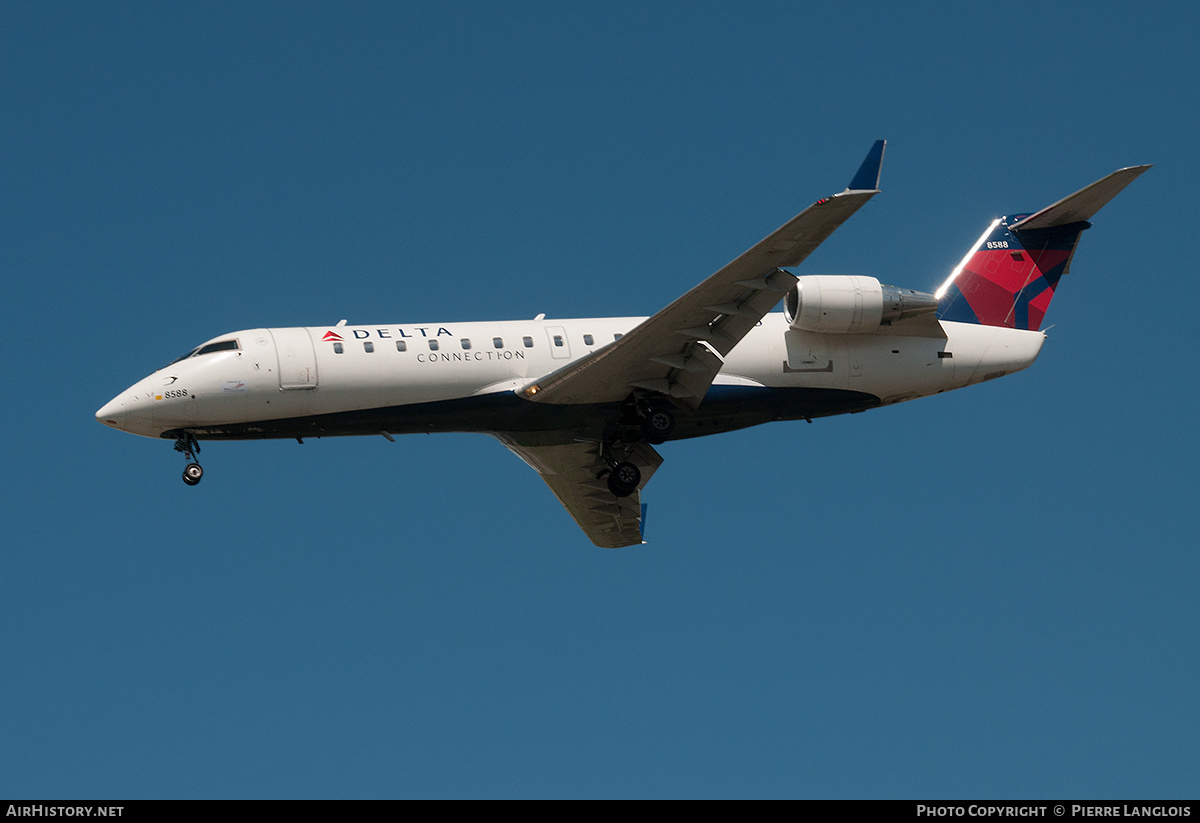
(1009, 276)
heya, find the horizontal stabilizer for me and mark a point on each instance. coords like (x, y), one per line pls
(1084, 203)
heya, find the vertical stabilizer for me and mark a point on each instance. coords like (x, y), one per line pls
(1009, 276)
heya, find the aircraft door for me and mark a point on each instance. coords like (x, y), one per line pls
(560, 344)
(807, 353)
(297, 359)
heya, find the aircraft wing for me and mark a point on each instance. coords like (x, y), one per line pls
(571, 469)
(679, 351)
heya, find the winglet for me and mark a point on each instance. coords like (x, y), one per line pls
(867, 177)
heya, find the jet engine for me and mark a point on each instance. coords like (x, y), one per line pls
(848, 304)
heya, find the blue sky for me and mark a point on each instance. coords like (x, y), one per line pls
(990, 593)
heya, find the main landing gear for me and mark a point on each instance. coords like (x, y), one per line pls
(644, 418)
(623, 479)
(657, 425)
(622, 476)
(653, 416)
(190, 446)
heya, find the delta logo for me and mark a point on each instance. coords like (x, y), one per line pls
(386, 334)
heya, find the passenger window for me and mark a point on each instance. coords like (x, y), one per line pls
(528, 341)
(337, 348)
(558, 341)
(498, 342)
(368, 347)
(433, 345)
(466, 344)
(588, 340)
(401, 345)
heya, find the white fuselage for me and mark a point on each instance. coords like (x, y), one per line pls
(462, 376)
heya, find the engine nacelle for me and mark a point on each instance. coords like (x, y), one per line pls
(848, 304)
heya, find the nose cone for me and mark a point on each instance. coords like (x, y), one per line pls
(131, 411)
(114, 413)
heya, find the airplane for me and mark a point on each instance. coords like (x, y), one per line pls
(584, 402)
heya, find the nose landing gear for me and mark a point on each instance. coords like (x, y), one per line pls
(190, 446)
(192, 473)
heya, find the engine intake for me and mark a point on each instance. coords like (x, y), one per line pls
(849, 304)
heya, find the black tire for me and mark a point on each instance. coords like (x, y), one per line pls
(192, 474)
(658, 425)
(623, 480)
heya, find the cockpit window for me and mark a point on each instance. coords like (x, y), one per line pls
(220, 345)
(183, 357)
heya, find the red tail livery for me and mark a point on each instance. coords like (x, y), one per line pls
(1008, 278)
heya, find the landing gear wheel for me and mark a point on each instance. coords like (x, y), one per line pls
(190, 447)
(657, 426)
(192, 474)
(623, 480)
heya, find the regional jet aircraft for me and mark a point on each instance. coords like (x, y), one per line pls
(584, 402)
